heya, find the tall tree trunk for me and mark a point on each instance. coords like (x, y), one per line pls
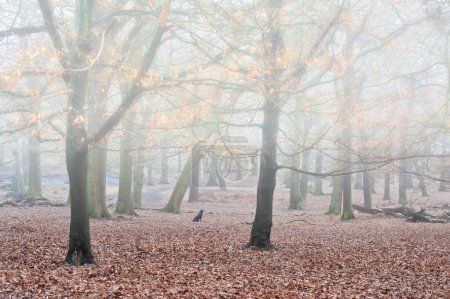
(17, 178)
(97, 156)
(422, 185)
(262, 225)
(402, 196)
(367, 190)
(150, 176)
(358, 181)
(34, 181)
(318, 189)
(25, 160)
(125, 199)
(347, 209)
(304, 177)
(164, 167)
(212, 178)
(138, 176)
(336, 196)
(294, 192)
(387, 186)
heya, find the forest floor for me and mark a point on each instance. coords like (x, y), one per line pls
(158, 255)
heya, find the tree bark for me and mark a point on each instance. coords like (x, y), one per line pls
(387, 186)
(336, 196)
(212, 178)
(138, 177)
(294, 192)
(178, 192)
(304, 177)
(34, 181)
(125, 199)
(318, 188)
(367, 190)
(195, 175)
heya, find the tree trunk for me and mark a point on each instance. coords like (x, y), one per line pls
(294, 194)
(387, 186)
(195, 175)
(178, 192)
(34, 186)
(164, 167)
(212, 178)
(25, 160)
(318, 189)
(262, 225)
(138, 177)
(336, 196)
(150, 176)
(402, 197)
(125, 199)
(304, 177)
(367, 190)
(97, 156)
(358, 181)
(17, 178)
(347, 211)
(255, 165)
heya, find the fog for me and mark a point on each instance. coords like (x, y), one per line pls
(117, 106)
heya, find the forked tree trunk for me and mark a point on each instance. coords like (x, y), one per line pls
(34, 181)
(336, 196)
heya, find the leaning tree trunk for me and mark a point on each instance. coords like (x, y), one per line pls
(195, 175)
(336, 196)
(367, 190)
(294, 192)
(318, 189)
(34, 181)
(125, 199)
(178, 192)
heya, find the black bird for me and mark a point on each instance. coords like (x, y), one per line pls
(198, 217)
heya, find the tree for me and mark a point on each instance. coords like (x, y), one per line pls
(78, 143)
